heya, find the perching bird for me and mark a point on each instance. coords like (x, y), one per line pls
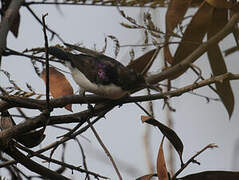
(99, 74)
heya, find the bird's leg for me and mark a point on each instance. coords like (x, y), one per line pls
(82, 92)
(90, 107)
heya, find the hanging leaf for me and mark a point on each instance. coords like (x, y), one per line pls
(169, 133)
(175, 13)
(146, 177)
(193, 34)
(235, 30)
(16, 22)
(143, 63)
(59, 85)
(161, 166)
(217, 62)
(174, 16)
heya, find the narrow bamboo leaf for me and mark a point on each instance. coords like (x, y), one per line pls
(15, 26)
(169, 133)
(236, 29)
(162, 171)
(193, 34)
(16, 22)
(143, 63)
(217, 61)
(174, 16)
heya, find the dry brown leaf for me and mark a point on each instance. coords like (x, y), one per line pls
(175, 13)
(220, 3)
(16, 22)
(145, 118)
(146, 177)
(193, 34)
(236, 28)
(6, 120)
(217, 62)
(59, 85)
(15, 26)
(174, 16)
(169, 133)
(143, 63)
(161, 166)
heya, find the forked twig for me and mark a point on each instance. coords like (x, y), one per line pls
(192, 159)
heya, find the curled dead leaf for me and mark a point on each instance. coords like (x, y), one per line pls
(143, 63)
(169, 133)
(59, 85)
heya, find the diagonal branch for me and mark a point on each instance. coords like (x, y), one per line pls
(32, 165)
(182, 66)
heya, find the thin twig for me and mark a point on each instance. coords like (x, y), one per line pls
(202, 78)
(105, 149)
(57, 143)
(192, 159)
(47, 63)
(94, 4)
(35, 16)
(59, 162)
(83, 158)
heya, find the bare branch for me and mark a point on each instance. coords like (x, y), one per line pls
(192, 159)
(31, 165)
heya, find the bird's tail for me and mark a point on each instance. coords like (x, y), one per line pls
(59, 53)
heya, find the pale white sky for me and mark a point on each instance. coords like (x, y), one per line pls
(196, 122)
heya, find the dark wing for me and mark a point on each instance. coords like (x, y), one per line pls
(99, 68)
